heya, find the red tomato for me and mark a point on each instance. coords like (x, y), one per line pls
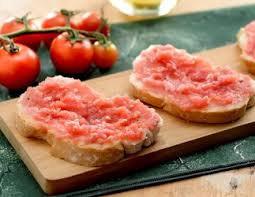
(105, 55)
(18, 70)
(106, 30)
(90, 21)
(53, 19)
(71, 58)
(31, 40)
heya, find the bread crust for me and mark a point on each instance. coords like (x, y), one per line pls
(88, 155)
(247, 60)
(222, 116)
(28, 127)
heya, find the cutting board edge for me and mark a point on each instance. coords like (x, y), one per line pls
(24, 156)
(71, 183)
(173, 152)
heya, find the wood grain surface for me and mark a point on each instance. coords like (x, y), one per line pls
(238, 183)
(210, 185)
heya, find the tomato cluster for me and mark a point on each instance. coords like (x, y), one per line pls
(90, 21)
(69, 54)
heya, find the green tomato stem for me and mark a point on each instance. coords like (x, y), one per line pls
(94, 35)
(7, 44)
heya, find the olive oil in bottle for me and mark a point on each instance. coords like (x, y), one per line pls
(144, 7)
(146, 3)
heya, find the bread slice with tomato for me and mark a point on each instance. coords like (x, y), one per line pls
(82, 126)
(189, 87)
(246, 42)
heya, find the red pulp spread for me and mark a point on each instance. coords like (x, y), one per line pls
(73, 110)
(189, 81)
(250, 34)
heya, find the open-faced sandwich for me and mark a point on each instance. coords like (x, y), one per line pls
(82, 126)
(189, 87)
(246, 42)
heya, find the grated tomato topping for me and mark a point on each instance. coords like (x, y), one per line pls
(189, 81)
(75, 111)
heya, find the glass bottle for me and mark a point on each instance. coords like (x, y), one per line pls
(144, 7)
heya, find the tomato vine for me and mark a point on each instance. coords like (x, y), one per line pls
(75, 46)
(74, 33)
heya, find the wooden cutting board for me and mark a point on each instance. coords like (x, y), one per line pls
(176, 137)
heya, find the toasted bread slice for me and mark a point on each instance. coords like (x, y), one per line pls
(210, 114)
(213, 115)
(88, 154)
(242, 43)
